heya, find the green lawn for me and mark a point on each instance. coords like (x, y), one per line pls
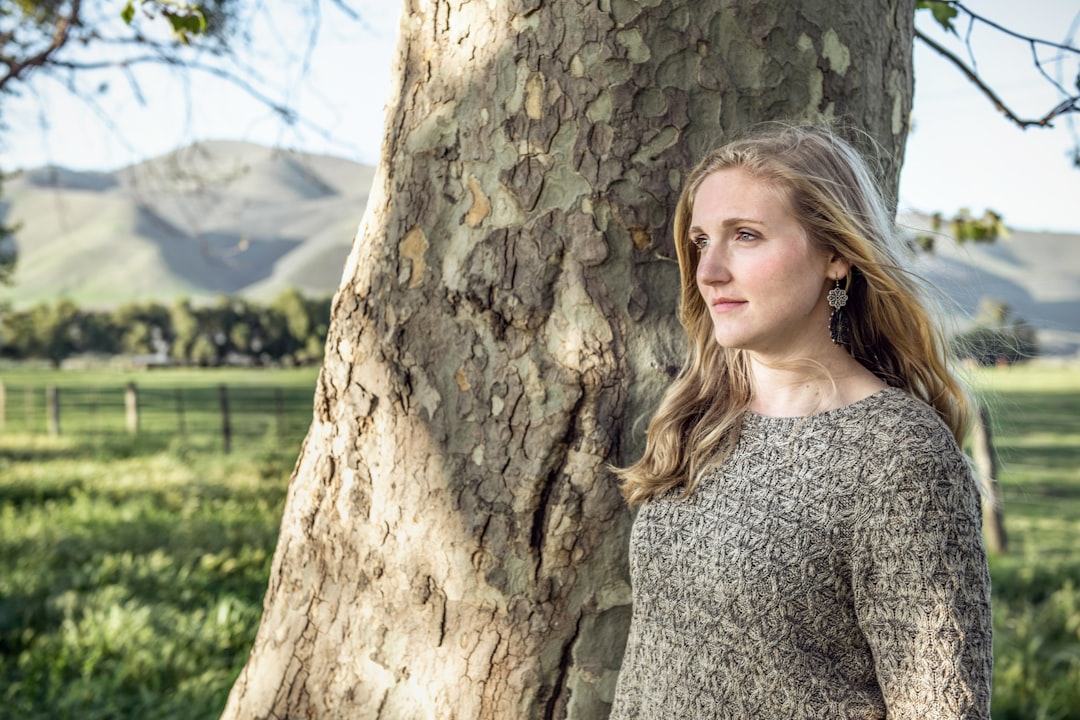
(130, 587)
(132, 570)
(1036, 412)
(132, 567)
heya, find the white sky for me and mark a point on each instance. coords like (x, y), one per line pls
(962, 153)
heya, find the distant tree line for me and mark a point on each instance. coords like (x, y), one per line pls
(290, 330)
(998, 337)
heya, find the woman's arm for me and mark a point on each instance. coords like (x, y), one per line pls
(922, 587)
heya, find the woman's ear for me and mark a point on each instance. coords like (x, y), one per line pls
(839, 267)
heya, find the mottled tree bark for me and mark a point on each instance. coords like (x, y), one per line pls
(453, 545)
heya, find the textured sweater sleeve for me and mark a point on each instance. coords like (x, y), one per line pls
(921, 584)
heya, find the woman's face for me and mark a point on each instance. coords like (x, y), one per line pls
(764, 282)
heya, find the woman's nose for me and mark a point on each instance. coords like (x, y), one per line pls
(712, 265)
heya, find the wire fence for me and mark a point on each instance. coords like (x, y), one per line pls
(209, 417)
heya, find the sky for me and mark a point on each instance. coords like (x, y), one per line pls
(961, 153)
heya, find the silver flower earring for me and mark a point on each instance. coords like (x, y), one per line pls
(838, 321)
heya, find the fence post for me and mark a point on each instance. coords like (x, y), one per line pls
(131, 408)
(28, 409)
(52, 402)
(279, 414)
(3, 405)
(226, 430)
(181, 429)
(986, 465)
(95, 426)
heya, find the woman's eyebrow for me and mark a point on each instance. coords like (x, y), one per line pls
(732, 221)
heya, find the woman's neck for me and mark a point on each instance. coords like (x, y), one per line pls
(797, 388)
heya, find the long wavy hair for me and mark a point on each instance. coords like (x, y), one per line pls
(831, 191)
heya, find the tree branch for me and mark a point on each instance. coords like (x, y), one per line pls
(1069, 104)
(16, 67)
(1012, 33)
(288, 114)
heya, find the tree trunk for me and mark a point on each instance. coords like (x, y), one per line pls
(453, 545)
(984, 455)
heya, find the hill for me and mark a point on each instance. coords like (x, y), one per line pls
(213, 218)
(239, 219)
(1036, 273)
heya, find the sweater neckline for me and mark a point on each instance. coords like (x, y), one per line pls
(840, 413)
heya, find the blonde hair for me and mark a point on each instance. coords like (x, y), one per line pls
(832, 193)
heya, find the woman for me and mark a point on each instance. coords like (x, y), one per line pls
(808, 543)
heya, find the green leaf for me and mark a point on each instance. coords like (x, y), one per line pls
(189, 21)
(943, 12)
(185, 19)
(988, 228)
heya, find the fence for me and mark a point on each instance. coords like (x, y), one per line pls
(211, 417)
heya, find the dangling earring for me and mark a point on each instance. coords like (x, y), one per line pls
(838, 320)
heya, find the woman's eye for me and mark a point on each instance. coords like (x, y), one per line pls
(700, 242)
(745, 235)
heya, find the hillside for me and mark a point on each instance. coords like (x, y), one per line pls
(1036, 273)
(214, 218)
(240, 219)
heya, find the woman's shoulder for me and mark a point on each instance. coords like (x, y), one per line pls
(895, 406)
(870, 436)
(904, 419)
(906, 441)
(887, 430)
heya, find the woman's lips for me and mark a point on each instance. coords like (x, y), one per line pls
(721, 305)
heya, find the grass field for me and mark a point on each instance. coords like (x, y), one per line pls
(132, 574)
(132, 568)
(1036, 411)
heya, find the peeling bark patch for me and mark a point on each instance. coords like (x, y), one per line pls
(636, 49)
(462, 379)
(481, 206)
(660, 142)
(534, 97)
(898, 93)
(835, 52)
(641, 236)
(600, 109)
(577, 66)
(412, 248)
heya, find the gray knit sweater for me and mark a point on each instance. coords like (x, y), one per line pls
(832, 568)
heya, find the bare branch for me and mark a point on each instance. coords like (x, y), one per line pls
(286, 113)
(1012, 33)
(127, 51)
(352, 14)
(1070, 104)
(16, 67)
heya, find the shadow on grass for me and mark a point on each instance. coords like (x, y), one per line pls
(1022, 413)
(15, 452)
(1046, 455)
(1053, 489)
(1017, 581)
(27, 448)
(24, 493)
